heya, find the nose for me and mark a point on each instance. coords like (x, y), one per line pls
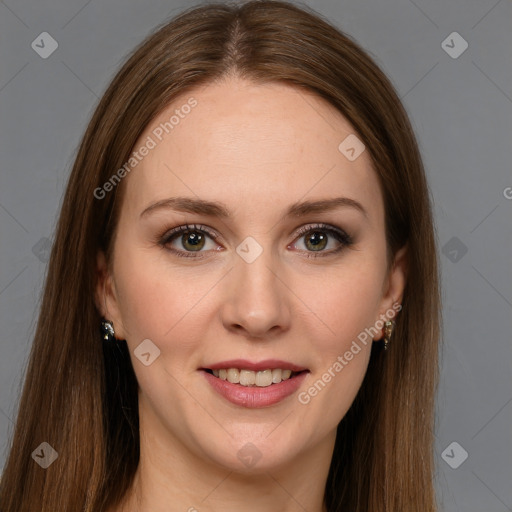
(258, 300)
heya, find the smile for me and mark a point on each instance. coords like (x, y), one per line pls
(262, 378)
(254, 395)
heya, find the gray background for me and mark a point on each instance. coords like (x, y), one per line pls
(461, 109)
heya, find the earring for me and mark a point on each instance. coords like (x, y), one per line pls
(388, 331)
(107, 329)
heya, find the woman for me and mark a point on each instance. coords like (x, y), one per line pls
(249, 224)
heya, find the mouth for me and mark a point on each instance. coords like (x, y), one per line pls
(249, 378)
(254, 385)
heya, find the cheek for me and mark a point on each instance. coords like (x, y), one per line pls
(145, 305)
(161, 302)
(348, 307)
(349, 303)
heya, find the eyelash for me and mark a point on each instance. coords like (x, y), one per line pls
(340, 235)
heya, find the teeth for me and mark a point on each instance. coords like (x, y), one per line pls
(233, 375)
(247, 378)
(264, 378)
(285, 374)
(261, 379)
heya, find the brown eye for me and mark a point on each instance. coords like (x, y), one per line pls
(316, 241)
(193, 240)
(317, 237)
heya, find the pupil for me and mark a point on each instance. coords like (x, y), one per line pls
(317, 239)
(193, 239)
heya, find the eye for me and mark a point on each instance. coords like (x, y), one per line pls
(317, 237)
(194, 238)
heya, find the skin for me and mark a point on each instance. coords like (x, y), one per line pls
(257, 149)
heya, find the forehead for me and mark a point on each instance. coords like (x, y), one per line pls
(250, 145)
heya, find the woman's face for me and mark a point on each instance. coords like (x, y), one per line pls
(277, 290)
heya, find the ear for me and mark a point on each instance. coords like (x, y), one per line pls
(394, 284)
(106, 295)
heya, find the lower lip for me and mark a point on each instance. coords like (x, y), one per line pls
(255, 396)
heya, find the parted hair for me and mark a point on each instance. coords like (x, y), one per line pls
(82, 398)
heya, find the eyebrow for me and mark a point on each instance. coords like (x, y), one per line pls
(218, 209)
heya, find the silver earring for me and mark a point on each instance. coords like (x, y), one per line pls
(107, 328)
(388, 331)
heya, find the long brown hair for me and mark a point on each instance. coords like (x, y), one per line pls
(82, 398)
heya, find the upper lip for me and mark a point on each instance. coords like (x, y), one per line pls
(267, 364)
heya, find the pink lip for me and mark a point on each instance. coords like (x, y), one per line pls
(254, 396)
(255, 367)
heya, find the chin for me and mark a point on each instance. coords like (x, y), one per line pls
(251, 457)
